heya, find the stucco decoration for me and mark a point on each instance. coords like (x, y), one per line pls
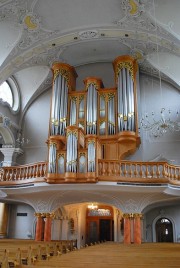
(33, 30)
(133, 7)
(144, 33)
(31, 22)
(137, 15)
(89, 34)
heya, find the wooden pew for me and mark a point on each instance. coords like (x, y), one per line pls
(30, 252)
(3, 258)
(115, 255)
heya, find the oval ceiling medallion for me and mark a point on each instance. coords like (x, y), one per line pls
(89, 34)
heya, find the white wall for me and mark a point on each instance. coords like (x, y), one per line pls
(39, 74)
(36, 129)
(22, 225)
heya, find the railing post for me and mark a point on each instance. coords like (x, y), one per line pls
(140, 171)
(103, 168)
(135, 170)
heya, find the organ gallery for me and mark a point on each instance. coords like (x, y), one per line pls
(92, 124)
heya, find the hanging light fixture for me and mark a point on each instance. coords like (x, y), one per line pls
(158, 124)
(162, 125)
(92, 206)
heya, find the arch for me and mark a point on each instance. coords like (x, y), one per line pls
(163, 216)
(164, 230)
(7, 135)
(99, 223)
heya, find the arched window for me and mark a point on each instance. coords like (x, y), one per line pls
(10, 94)
(6, 93)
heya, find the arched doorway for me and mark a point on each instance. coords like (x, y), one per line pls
(99, 224)
(164, 230)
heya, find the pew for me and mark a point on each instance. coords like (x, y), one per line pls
(3, 258)
(116, 255)
(17, 252)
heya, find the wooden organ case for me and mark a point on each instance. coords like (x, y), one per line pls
(96, 123)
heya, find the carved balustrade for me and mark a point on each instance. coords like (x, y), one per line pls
(23, 174)
(128, 171)
(108, 170)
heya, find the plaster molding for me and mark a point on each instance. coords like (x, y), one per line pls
(88, 34)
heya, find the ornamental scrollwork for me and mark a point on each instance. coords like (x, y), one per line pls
(91, 83)
(63, 72)
(72, 132)
(126, 65)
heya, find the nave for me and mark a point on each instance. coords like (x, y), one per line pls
(32, 254)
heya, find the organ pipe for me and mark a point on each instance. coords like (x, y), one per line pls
(71, 161)
(64, 77)
(125, 68)
(52, 158)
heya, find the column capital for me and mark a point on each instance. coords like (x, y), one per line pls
(132, 215)
(126, 215)
(38, 214)
(138, 215)
(47, 214)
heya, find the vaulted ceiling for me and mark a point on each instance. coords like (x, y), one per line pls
(35, 33)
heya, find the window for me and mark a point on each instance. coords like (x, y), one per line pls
(10, 94)
(6, 93)
(165, 220)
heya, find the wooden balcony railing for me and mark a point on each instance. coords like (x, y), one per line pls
(128, 171)
(23, 174)
(108, 170)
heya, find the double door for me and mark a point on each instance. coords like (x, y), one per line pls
(99, 230)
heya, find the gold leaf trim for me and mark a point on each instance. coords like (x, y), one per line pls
(64, 73)
(126, 65)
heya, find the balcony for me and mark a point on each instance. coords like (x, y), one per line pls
(107, 170)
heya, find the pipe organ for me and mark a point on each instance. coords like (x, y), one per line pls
(96, 123)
